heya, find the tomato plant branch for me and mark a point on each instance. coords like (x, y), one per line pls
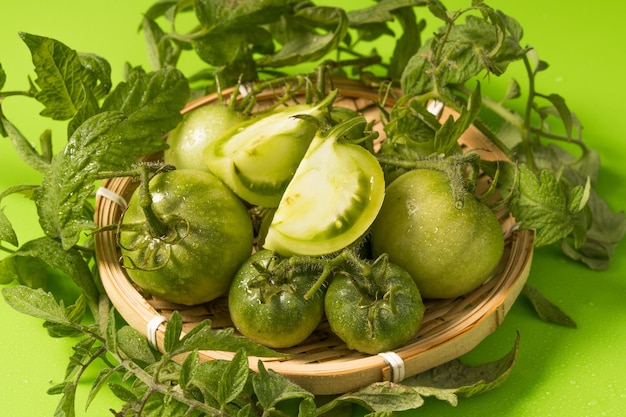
(174, 393)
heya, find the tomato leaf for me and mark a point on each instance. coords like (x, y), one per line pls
(234, 379)
(547, 310)
(134, 345)
(310, 45)
(133, 119)
(188, 369)
(447, 136)
(173, 331)
(64, 82)
(203, 337)
(465, 380)
(24, 147)
(69, 261)
(26, 270)
(121, 392)
(272, 388)
(36, 303)
(383, 397)
(463, 52)
(542, 203)
(606, 231)
(75, 313)
(7, 233)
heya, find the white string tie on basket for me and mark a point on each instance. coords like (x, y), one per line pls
(113, 196)
(396, 364)
(151, 330)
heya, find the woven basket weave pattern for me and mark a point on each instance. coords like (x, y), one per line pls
(322, 364)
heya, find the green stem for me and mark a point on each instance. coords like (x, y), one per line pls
(554, 136)
(158, 228)
(526, 133)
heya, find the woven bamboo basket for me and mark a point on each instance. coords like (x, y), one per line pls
(322, 364)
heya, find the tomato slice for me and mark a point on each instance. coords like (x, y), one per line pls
(332, 199)
(258, 157)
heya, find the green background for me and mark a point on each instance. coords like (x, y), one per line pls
(560, 371)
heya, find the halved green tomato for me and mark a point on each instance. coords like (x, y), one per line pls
(332, 199)
(257, 158)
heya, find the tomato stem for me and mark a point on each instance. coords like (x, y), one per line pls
(158, 228)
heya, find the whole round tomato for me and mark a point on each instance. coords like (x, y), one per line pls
(267, 302)
(375, 312)
(198, 128)
(208, 235)
(448, 251)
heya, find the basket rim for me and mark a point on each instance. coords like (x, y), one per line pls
(351, 373)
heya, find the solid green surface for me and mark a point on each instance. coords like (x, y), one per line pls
(560, 371)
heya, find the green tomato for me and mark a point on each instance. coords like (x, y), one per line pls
(333, 197)
(267, 303)
(374, 313)
(258, 157)
(448, 251)
(198, 128)
(208, 235)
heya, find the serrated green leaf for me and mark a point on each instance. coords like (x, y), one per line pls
(100, 380)
(66, 406)
(234, 379)
(203, 337)
(447, 136)
(541, 203)
(607, 230)
(63, 80)
(271, 388)
(7, 270)
(188, 368)
(134, 118)
(134, 345)
(27, 270)
(101, 71)
(110, 335)
(407, 44)
(7, 233)
(36, 303)
(75, 313)
(246, 411)
(310, 45)
(68, 261)
(24, 147)
(122, 392)
(457, 378)
(160, 51)
(384, 397)
(173, 331)
(57, 389)
(563, 111)
(206, 378)
(547, 310)
(468, 49)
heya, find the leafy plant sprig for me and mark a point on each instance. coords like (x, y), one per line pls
(550, 190)
(151, 383)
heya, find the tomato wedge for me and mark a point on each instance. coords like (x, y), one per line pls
(257, 158)
(333, 197)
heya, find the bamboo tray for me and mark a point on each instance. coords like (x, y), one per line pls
(322, 364)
